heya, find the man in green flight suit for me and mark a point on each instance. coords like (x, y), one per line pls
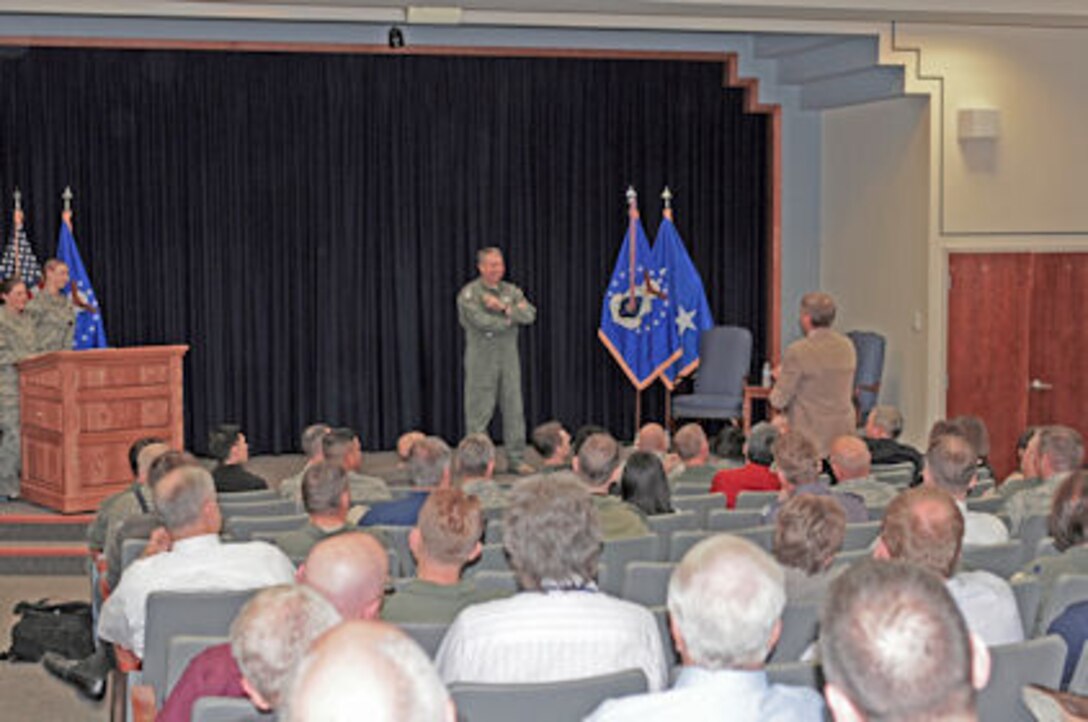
(491, 310)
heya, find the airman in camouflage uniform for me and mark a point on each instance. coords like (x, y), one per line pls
(18, 341)
(52, 313)
(491, 310)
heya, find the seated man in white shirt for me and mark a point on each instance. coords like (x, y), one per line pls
(924, 526)
(952, 465)
(195, 561)
(560, 627)
(725, 604)
(894, 647)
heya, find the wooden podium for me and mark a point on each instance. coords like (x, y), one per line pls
(80, 412)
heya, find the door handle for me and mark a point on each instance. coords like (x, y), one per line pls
(1039, 385)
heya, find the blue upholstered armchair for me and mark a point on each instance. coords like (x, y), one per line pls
(725, 355)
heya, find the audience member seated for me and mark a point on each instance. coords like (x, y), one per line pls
(195, 561)
(403, 471)
(725, 604)
(851, 466)
(756, 475)
(797, 463)
(560, 626)
(652, 438)
(1060, 453)
(143, 525)
(597, 465)
(552, 442)
(267, 638)
(1026, 473)
(978, 436)
(476, 469)
(341, 446)
(728, 446)
(882, 429)
(951, 465)
(808, 534)
(894, 647)
(135, 499)
(430, 460)
(326, 499)
(584, 432)
(312, 435)
(348, 572)
(227, 445)
(1068, 525)
(924, 526)
(367, 670)
(693, 448)
(644, 485)
(444, 540)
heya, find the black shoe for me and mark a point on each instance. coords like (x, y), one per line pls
(86, 675)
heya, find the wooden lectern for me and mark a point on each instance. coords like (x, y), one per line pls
(80, 412)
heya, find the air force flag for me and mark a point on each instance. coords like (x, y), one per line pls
(90, 331)
(689, 312)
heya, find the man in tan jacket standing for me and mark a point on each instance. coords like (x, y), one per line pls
(815, 382)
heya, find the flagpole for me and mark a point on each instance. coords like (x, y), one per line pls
(666, 197)
(632, 219)
(17, 217)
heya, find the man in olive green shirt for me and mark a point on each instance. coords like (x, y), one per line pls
(446, 538)
(491, 311)
(597, 465)
(327, 500)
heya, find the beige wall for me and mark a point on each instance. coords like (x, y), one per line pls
(875, 237)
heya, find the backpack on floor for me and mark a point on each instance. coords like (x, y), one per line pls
(64, 628)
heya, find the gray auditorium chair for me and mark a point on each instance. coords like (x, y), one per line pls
(544, 701)
(181, 651)
(988, 505)
(647, 583)
(242, 528)
(270, 507)
(1032, 530)
(672, 657)
(248, 497)
(682, 541)
(860, 536)
(503, 581)
(665, 525)
(755, 499)
(1079, 683)
(1036, 661)
(899, 475)
(617, 553)
(690, 489)
(700, 504)
(170, 614)
(428, 635)
(131, 549)
(797, 674)
(1068, 589)
(492, 557)
(1000, 559)
(398, 541)
(1028, 592)
(732, 519)
(228, 709)
(761, 536)
(848, 558)
(726, 354)
(800, 623)
(493, 531)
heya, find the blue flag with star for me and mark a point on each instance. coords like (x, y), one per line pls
(635, 311)
(90, 331)
(689, 312)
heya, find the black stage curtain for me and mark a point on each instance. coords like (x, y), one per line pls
(304, 221)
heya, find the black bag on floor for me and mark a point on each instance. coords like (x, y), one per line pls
(64, 628)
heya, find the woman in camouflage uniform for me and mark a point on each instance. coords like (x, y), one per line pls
(18, 340)
(53, 314)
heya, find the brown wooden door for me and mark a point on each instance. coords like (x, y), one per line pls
(1014, 319)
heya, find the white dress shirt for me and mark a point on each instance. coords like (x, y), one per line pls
(988, 606)
(549, 637)
(197, 564)
(981, 529)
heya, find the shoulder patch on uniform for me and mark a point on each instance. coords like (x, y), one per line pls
(467, 295)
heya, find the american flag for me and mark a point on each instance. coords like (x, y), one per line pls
(29, 268)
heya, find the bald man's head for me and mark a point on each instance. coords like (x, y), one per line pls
(653, 438)
(850, 458)
(367, 666)
(350, 570)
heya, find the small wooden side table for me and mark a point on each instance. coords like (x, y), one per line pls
(751, 393)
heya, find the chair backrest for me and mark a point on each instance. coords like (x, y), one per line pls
(1046, 548)
(647, 582)
(755, 499)
(987, 505)
(242, 528)
(547, 701)
(725, 358)
(732, 519)
(492, 557)
(1068, 589)
(1079, 683)
(428, 635)
(493, 531)
(181, 651)
(761, 536)
(901, 474)
(1001, 559)
(797, 674)
(682, 541)
(1032, 530)
(1028, 592)
(848, 558)
(618, 553)
(228, 709)
(860, 536)
(170, 614)
(497, 580)
(131, 549)
(665, 525)
(398, 541)
(689, 488)
(1036, 661)
(800, 623)
(700, 504)
(269, 507)
(869, 371)
(876, 511)
(248, 497)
